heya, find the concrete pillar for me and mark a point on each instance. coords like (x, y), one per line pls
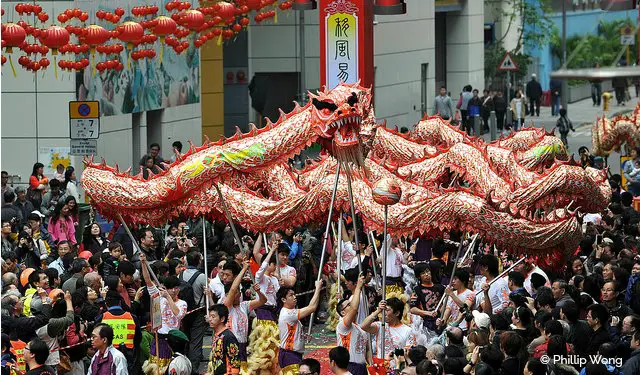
(465, 48)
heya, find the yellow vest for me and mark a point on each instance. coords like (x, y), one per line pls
(124, 328)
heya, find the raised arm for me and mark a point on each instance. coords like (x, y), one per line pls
(235, 286)
(367, 324)
(313, 304)
(145, 270)
(257, 246)
(352, 312)
(262, 299)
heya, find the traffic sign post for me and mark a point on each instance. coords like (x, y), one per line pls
(84, 119)
(509, 65)
(627, 38)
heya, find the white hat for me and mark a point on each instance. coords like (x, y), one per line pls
(482, 320)
(533, 75)
(607, 240)
(38, 213)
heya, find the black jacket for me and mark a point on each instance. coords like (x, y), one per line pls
(24, 327)
(500, 104)
(598, 338)
(533, 89)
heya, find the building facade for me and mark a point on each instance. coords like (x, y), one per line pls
(438, 42)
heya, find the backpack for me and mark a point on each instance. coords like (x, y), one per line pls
(186, 291)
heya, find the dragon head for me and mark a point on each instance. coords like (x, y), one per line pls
(337, 116)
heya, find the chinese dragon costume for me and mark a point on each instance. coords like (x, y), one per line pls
(609, 135)
(515, 191)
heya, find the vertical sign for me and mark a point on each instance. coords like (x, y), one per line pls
(346, 35)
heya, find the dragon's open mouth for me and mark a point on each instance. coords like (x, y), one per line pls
(346, 130)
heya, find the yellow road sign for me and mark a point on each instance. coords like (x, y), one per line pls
(84, 109)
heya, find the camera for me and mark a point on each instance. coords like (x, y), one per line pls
(399, 352)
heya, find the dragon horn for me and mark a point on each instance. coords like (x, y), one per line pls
(238, 133)
(127, 171)
(206, 140)
(117, 168)
(192, 147)
(283, 115)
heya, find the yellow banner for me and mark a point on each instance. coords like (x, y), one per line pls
(342, 49)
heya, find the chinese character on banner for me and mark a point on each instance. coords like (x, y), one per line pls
(343, 75)
(342, 25)
(342, 48)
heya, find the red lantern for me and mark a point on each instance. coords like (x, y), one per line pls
(13, 35)
(225, 10)
(54, 37)
(193, 19)
(254, 4)
(95, 35)
(130, 32)
(389, 7)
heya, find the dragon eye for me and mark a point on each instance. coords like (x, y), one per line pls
(353, 99)
(320, 105)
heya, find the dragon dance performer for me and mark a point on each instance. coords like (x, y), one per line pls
(349, 334)
(263, 346)
(291, 329)
(173, 311)
(238, 321)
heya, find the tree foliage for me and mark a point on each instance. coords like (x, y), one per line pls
(584, 51)
(531, 20)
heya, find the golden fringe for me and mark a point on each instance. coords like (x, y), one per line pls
(264, 343)
(291, 370)
(332, 318)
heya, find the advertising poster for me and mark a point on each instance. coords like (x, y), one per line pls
(52, 156)
(145, 84)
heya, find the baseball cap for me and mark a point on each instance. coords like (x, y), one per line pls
(482, 320)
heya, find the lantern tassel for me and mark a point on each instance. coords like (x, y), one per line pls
(93, 64)
(161, 49)
(13, 68)
(220, 39)
(55, 66)
(275, 18)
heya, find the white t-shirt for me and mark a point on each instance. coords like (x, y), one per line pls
(498, 293)
(362, 308)
(217, 288)
(354, 339)
(238, 321)
(349, 256)
(291, 336)
(395, 260)
(169, 319)
(287, 271)
(466, 296)
(527, 280)
(269, 285)
(398, 337)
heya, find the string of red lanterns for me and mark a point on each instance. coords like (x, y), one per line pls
(220, 20)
